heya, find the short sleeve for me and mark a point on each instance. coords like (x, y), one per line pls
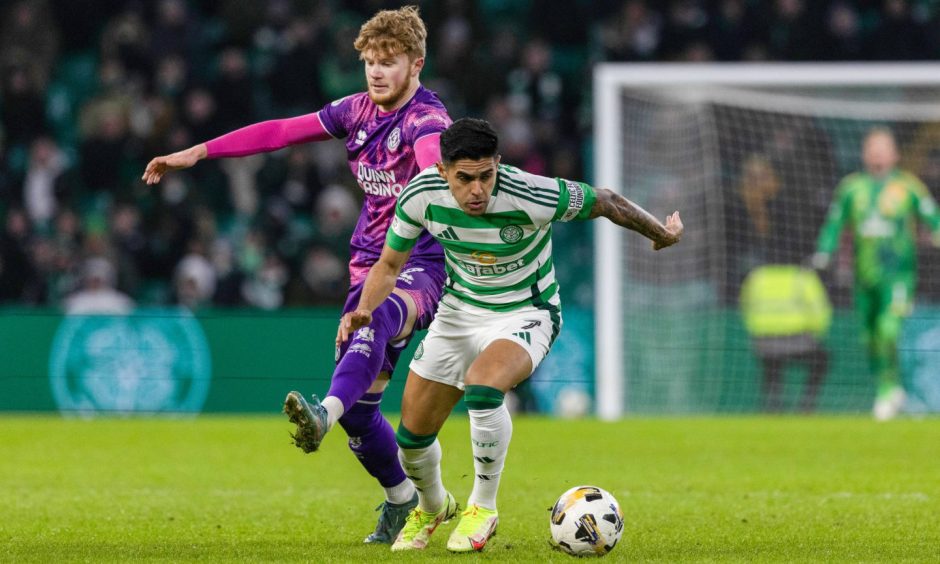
(424, 120)
(575, 200)
(404, 230)
(337, 115)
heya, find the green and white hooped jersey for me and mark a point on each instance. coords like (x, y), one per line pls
(501, 260)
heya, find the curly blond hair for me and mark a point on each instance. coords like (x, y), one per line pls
(391, 32)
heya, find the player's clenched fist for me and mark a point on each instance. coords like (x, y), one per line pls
(179, 160)
(351, 322)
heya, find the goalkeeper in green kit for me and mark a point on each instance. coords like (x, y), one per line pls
(882, 205)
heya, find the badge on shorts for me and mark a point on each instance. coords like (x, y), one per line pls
(419, 352)
(511, 233)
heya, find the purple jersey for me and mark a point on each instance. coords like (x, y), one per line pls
(380, 148)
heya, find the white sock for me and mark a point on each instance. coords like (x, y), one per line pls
(490, 433)
(334, 410)
(401, 493)
(423, 468)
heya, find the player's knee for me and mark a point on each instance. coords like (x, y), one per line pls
(390, 317)
(409, 440)
(482, 397)
(385, 326)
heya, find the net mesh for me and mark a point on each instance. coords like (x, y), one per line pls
(752, 171)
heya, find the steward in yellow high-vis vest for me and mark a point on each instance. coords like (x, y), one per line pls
(787, 313)
(782, 299)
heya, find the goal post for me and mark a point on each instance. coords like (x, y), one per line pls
(750, 155)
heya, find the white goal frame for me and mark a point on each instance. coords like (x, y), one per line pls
(610, 372)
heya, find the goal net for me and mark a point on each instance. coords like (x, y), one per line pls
(750, 156)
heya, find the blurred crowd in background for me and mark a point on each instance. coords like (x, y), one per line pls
(90, 90)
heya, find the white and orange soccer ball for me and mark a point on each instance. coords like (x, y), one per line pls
(586, 521)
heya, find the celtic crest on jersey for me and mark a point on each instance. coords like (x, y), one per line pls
(510, 233)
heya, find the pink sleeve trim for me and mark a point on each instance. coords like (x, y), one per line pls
(268, 136)
(428, 150)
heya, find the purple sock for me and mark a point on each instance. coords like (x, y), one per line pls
(372, 440)
(364, 353)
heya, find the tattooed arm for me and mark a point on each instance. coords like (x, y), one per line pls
(625, 213)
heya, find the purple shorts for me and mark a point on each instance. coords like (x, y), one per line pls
(423, 280)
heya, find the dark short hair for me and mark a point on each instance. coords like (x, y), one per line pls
(468, 138)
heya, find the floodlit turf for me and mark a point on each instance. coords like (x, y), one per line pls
(703, 489)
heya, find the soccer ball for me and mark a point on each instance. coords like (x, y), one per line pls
(586, 521)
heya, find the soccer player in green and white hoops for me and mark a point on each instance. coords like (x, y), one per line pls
(499, 315)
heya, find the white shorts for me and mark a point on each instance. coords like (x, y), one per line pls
(456, 338)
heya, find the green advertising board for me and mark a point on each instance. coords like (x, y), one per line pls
(169, 361)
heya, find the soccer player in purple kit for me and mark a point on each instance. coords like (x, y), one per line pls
(392, 132)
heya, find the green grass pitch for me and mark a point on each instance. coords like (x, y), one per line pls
(740, 489)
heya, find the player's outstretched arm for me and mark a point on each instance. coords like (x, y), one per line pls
(179, 160)
(378, 286)
(625, 213)
(262, 137)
